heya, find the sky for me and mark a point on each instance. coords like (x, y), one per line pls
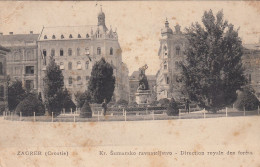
(138, 24)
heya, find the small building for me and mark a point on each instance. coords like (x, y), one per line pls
(3, 79)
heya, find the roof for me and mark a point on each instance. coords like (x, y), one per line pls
(69, 32)
(18, 38)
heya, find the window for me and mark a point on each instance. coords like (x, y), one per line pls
(17, 70)
(61, 52)
(61, 65)
(53, 37)
(176, 65)
(70, 80)
(29, 55)
(52, 52)
(1, 68)
(78, 51)
(87, 36)
(70, 65)
(79, 80)
(79, 36)
(17, 56)
(87, 78)
(62, 36)
(2, 93)
(111, 51)
(87, 63)
(45, 36)
(178, 50)
(70, 52)
(29, 84)
(87, 51)
(165, 65)
(167, 80)
(79, 65)
(98, 51)
(249, 78)
(70, 36)
(29, 70)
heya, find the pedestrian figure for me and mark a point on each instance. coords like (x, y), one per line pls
(187, 105)
(104, 106)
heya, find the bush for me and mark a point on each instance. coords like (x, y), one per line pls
(29, 105)
(86, 111)
(81, 98)
(122, 102)
(247, 99)
(154, 103)
(164, 102)
(172, 108)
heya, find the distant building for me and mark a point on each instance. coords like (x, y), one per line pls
(172, 45)
(134, 84)
(251, 62)
(76, 49)
(3, 79)
(22, 58)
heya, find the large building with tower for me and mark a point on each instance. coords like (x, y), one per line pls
(75, 49)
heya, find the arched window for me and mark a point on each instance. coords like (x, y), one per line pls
(79, 80)
(61, 65)
(2, 93)
(44, 52)
(70, 36)
(111, 51)
(52, 52)
(17, 56)
(178, 49)
(70, 65)
(87, 36)
(1, 68)
(165, 65)
(29, 55)
(87, 51)
(79, 36)
(78, 51)
(53, 37)
(98, 51)
(62, 36)
(70, 52)
(87, 63)
(45, 36)
(70, 80)
(167, 80)
(61, 52)
(79, 65)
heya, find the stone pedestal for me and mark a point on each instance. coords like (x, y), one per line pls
(143, 97)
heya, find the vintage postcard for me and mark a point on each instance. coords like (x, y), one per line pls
(129, 83)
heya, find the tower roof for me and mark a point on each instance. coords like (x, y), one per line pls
(166, 29)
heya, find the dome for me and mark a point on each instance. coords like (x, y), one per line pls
(101, 13)
(166, 29)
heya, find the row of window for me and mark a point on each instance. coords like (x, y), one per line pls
(17, 56)
(78, 52)
(62, 36)
(79, 66)
(78, 80)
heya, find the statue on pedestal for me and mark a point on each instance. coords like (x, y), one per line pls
(143, 82)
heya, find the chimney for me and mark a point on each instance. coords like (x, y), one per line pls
(31, 32)
(11, 33)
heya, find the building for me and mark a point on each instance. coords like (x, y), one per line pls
(3, 79)
(172, 45)
(76, 49)
(134, 84)
(251, 62)
(22, 58)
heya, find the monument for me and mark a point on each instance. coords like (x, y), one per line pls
(143, 93)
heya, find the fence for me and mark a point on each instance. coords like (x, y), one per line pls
(129, 114)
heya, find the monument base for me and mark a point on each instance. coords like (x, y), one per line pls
(143, 97)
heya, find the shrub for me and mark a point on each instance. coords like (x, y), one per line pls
(247, 99)
(81, 98)
(154, 103)
(29, 105)
(86, 111)
(164, 102)
(172, 108)
(122, 102)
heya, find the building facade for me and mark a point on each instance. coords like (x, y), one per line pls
(76, 49)
(251, 63)
(171, 53)
(134, 84)
(3, 79)
(22, 58)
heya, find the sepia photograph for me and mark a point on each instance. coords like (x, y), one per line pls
(129, 83)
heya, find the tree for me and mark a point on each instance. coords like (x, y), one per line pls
(68, 104)
(172, 108)
(16, 94)
(86, 111)
(213, 69)
(81, 98)
(164, 102)
(53, 88)
(102, 82)
(122, 102)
